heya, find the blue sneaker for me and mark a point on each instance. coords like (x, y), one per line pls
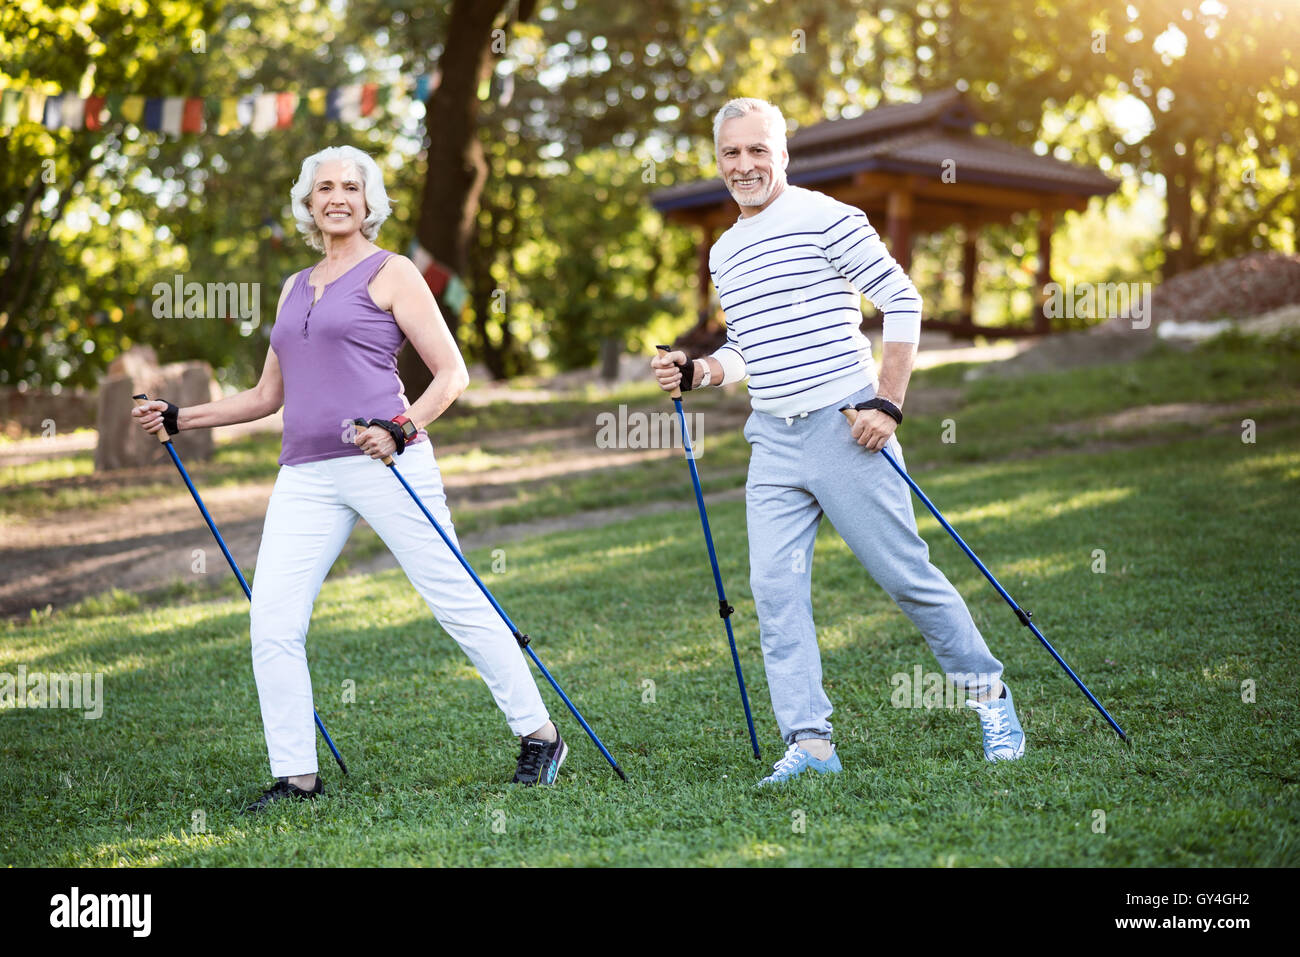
(796, 761)
(1004, 739)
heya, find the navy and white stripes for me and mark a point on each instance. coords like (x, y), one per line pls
(790, 281)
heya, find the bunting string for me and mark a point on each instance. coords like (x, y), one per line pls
(176, 115)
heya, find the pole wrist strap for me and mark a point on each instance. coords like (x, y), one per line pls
(882, 405)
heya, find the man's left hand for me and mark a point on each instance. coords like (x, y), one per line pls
(872, 429)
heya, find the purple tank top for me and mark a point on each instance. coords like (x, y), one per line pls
(338, 358)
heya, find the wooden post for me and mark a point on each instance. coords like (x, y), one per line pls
(900, 226)
(1042, 323)
(968, 267)
(703, 312)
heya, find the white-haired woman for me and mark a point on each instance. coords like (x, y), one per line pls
(338, 328)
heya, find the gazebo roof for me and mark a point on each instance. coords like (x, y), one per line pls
(918, 140)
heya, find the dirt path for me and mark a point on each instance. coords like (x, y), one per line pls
(144, 546)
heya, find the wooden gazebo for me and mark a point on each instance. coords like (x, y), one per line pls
(916, 168)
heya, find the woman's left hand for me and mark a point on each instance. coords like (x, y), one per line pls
(375, 442)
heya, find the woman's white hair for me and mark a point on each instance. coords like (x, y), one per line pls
(743, 106)
(377, 206)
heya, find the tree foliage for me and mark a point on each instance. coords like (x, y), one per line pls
(584, 109)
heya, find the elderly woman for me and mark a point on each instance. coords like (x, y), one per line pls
(338, 328)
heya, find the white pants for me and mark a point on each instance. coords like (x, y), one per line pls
(311, 513)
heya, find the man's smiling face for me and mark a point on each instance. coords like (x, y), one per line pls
(752, 162)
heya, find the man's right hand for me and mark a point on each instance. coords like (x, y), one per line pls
(665, 368)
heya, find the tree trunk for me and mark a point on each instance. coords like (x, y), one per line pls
(457, 168)
(1178, 222)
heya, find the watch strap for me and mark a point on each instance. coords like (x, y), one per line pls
(408, 428)
(882, 405)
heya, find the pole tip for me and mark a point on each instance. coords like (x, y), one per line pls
(620, 773)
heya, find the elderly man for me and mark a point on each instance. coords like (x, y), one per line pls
(790, 273)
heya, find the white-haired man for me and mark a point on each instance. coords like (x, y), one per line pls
(790, 274)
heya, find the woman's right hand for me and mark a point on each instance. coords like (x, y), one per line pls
(149, 415)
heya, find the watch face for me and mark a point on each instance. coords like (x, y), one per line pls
(408, 429)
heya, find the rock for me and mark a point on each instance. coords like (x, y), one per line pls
(122, 443)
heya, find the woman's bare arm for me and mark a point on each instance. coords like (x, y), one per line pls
(402, 290)
(255, 403)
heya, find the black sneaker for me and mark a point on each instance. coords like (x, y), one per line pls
(539, 761)
(283, 791)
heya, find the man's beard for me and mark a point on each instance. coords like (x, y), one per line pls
(757, 196)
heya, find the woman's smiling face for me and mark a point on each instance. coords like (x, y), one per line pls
(338, 198)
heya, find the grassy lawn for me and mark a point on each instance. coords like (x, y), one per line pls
(1188, 636)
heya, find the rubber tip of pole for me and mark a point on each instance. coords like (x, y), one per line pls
(620, 773)
(343, 767)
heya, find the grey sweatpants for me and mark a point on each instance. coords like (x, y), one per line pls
(808, 466)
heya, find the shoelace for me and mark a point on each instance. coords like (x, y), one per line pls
(789, 761)
(530, 759)
(994, 720)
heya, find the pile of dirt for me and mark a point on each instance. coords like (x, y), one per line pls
(1238, 288)
(1265, 285)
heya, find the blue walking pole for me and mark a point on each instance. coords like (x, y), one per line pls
(851, 414)
(166, 440)
(724, 609)
(519, 637)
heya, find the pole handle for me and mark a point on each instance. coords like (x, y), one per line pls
(163, 437)
(356, 438)
(850, 413)
(663, 351)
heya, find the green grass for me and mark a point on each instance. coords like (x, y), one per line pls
(997, 417)
(1198, 597)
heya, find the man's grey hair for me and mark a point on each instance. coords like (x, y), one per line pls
(372, 183)
(743, 106)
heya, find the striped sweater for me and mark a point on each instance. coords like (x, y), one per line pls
(790, 281)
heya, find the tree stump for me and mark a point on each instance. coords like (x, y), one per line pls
(122, 443)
